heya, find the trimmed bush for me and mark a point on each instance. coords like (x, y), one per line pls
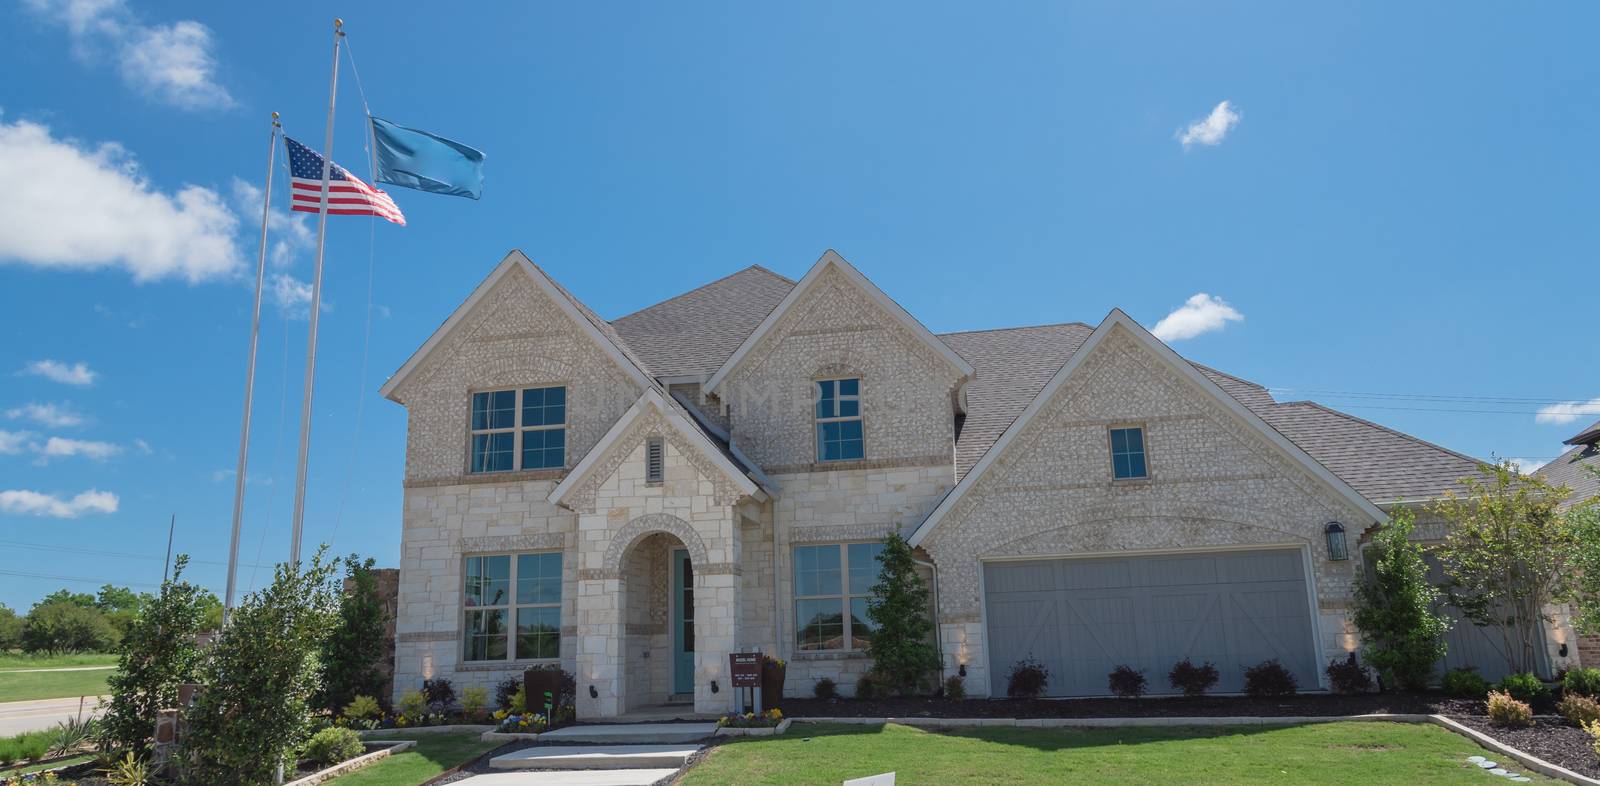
(1465, 683)
(1578, 709)
(1593, 727)
(1126, 682)
(1504, 710)
(867, 687)
(1027, 680)
(473, 701)
(362, 708)
(1191, 679)
(440, 692)
(1348, 676)
(1268, 679)
(333, 745)
(1581, 682)
(1524, 687)
(414, 705)
(955, 688)
(825, 689)
(24, 747)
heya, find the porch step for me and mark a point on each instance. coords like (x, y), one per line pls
(570, 778)
(632, 733)
(595, 757)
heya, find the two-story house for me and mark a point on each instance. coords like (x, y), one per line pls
(634, 499)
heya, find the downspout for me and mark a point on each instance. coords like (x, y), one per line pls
(938, 638)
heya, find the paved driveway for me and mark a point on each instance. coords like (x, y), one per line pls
(20, 716)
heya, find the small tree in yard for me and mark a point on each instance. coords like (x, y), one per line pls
(158, 654)
(354, 650)
(1584, 521)
(1396, 608)
(1507, 554)
(260, 677)
(903, 658)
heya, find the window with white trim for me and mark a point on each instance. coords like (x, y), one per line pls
(831, 586)
(518, 429)
(513, 607)
(839, 420)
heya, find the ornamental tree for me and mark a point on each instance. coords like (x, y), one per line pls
(903, 656)
(1584, 521)
(354, 652)
(1396, 608)
(158, 654)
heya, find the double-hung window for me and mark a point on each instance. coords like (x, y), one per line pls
(1127, 453)
(513, 607)
(839, 420)
(831, 587)
(519, 429)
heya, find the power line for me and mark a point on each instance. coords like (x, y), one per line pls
(54, 577)
(1457, 397)
(1445, 409)
(101, 553)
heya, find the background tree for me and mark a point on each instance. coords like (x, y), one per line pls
(10, 629)
(1507, 554)
(64, 595)
(212, 606)
(120, 605)
(1584, 521)
(157, 655)
(903, 657)
(259, 678)
(1397, 608)
(62, 626)
(354, 652)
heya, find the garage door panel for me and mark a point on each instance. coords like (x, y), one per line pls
(1233, 609)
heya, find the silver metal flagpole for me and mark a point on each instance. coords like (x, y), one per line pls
(250, 376)
(316, 306)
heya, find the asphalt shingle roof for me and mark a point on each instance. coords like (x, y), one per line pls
(1572, 468)
(697, 331)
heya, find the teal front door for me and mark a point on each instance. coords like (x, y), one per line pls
(682, 623)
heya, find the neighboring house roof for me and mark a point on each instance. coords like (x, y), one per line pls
(1575, 468)
(694, 333)
(828, 260)
(1118, 319)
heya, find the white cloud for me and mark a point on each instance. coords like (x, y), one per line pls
(172, 63)
(1211, 129)
(69, 206)
(1201, 313)
(78, 374)
(62, 447)
(1568, 411)
(143, 447)
(52, 415)
(22, 502)
(12, 442)
(1527, 466)
(291, 233)
(292, 295)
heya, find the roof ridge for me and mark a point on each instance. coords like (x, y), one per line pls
(1235, 378)
(1402, 434)
(706, 285)
(1017, 327)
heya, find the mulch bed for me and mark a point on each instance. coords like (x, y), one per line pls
(1550, 738)
(1309, 705)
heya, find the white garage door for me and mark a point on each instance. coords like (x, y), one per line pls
(1083, 617)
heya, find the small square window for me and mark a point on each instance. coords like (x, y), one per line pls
(1127, 453)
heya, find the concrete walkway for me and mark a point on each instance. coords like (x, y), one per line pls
(617, 754)
(20, 716)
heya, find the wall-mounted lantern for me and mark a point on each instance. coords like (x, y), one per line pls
(1337, 550)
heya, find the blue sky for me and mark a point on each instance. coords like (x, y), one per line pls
(1395, 200)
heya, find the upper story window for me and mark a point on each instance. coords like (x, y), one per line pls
(1127, 453)
(831, 586)
(519, 429)
(839, 420)
(513, 607)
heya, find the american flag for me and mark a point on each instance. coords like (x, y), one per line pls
(347, 195)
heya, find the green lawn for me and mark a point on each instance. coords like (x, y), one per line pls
(433, 754)
(18, 660)
(27, 685)
(1330, 753)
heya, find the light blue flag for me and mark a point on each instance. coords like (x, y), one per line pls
(417, 159)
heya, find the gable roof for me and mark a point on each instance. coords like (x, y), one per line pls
(676, 417)
(1385, 465)
(596, 328)
(694, 333)
(833, 260)
(1112, 321)
(1572, 468)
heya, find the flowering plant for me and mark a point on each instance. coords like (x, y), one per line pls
(524, 723)
(749, 720)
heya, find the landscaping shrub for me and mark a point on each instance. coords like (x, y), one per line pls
(1524, 687)
(71, 734)
(1191, 679)
(440, 692)
(825, 689)
(362, 708)
(1348, 676)
(1593, 727)
(414, 704)
(1464, 683)
(1126, 682)
(1578, 709)
(130, 770)
(333, 745)
(1504, 710)
(867, 687)
(473, 701)
(24, 747)
(1269, 678)
(1581, 682)
(955, 687)
(353, 655)
(158, 655)
(904, 660)
(504, 690)
(1027, 680)
(1396, 608)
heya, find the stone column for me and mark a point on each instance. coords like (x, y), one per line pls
(716, 633)
(600, 613)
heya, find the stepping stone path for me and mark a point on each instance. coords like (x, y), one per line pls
(613, 754)
(1494, 768)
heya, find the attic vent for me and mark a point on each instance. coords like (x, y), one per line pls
(654, 461)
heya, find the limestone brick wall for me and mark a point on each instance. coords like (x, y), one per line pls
(1214, 482)
(1589, 651)
(836, 330)
(516, 336)
(757, 582)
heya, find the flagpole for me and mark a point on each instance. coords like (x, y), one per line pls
(250, 376)
(316, 307)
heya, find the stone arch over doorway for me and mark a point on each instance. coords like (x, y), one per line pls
(642, 526)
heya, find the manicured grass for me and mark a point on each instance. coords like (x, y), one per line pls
(47, 766)
(433, 754)
(29, 685)
(1329, 753)
(18, 660)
